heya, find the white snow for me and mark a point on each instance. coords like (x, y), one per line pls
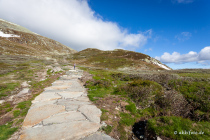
(7, 35)
(161, 65)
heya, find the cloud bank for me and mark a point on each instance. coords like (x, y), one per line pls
(203, 57)
(71, 22)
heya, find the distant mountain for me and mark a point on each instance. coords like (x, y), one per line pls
(17, 40)
(118, 59)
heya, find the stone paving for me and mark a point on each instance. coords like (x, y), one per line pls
(63, 112)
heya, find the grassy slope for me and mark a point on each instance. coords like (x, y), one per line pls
(113, 59)
(15, 70)
(169, 104)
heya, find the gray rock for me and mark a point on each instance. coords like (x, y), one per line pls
(71, 105)
(37, 114)
(47, 96)
(64, 118)
(2, 101)
(98, 136)
(24, 84)
(67, 95)
(91, 112)
(64, 131)
(23, 92)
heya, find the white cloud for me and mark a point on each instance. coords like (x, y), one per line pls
(204, 54)
(203, 57)
(183, 36)
(71, 22)
(182, 1)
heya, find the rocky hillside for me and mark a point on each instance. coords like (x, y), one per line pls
(117, 59)
(17, 40)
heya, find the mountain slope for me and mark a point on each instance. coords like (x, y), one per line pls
(17, 40)
(118, 59)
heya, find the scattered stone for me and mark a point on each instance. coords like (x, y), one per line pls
(24, 84)
(91, 112)
(11, 98)
(23, 92)
(2, 101)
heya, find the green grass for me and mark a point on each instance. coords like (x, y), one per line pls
(131, 107)
(16, 113)
(167, 126)
(6, 131)
(197, 93)
(121, 129)
(127, 119)
(104, 116)
(155, 105)
(195, 75)
(107, 129)
(5, 89)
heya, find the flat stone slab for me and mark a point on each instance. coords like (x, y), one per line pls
(57, 87)
(37, 114)
(67, 95)
(64, 118)
(91, 112)
(39, 104)
(47, 96)
(62, 82)
(62, 112)
(71, 105)
(83, 99)
(98, 136)
(64, 131)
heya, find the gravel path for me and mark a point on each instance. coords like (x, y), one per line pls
(63, 112)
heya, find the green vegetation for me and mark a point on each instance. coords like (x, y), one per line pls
(107, 129)
(6, 131)
(104, 116)
(16, 113)
(5, 89)
(167, 126)
(169, 103)
(112, 59)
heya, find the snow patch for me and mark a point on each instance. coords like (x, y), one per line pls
(7, 35)
(161, 65)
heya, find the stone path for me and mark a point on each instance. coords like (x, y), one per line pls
(63, 112)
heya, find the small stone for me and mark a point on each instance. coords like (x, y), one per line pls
(23, 92)
(2, 101)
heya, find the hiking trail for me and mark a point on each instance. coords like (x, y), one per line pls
(63, 112)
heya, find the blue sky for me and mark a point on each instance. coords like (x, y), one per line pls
(176, 32)
(177, 26)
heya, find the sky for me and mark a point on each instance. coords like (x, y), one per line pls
(176, 32)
